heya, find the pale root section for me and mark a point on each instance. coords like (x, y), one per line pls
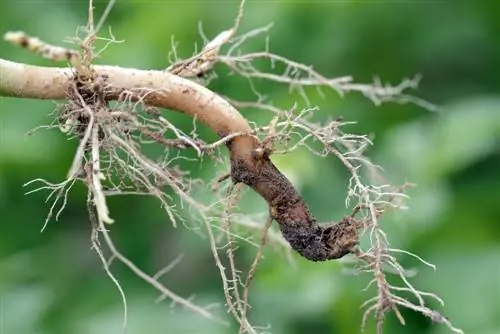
(156, 88)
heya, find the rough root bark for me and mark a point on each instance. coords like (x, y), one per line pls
(312, 241)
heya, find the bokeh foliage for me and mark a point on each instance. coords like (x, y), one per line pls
(52, 282)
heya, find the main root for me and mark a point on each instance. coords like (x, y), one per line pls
(111, 160)
(297, 224)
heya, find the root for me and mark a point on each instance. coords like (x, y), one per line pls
(202, 311)
(94, 238)
(111, 160)
(60, 191)
(253, 268)
(298, 226)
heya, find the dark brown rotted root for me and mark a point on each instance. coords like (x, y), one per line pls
(298, 226)
(321, 243)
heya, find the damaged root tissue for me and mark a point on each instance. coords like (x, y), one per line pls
(313, 241)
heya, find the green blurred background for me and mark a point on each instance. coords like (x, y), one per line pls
(52, 282)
